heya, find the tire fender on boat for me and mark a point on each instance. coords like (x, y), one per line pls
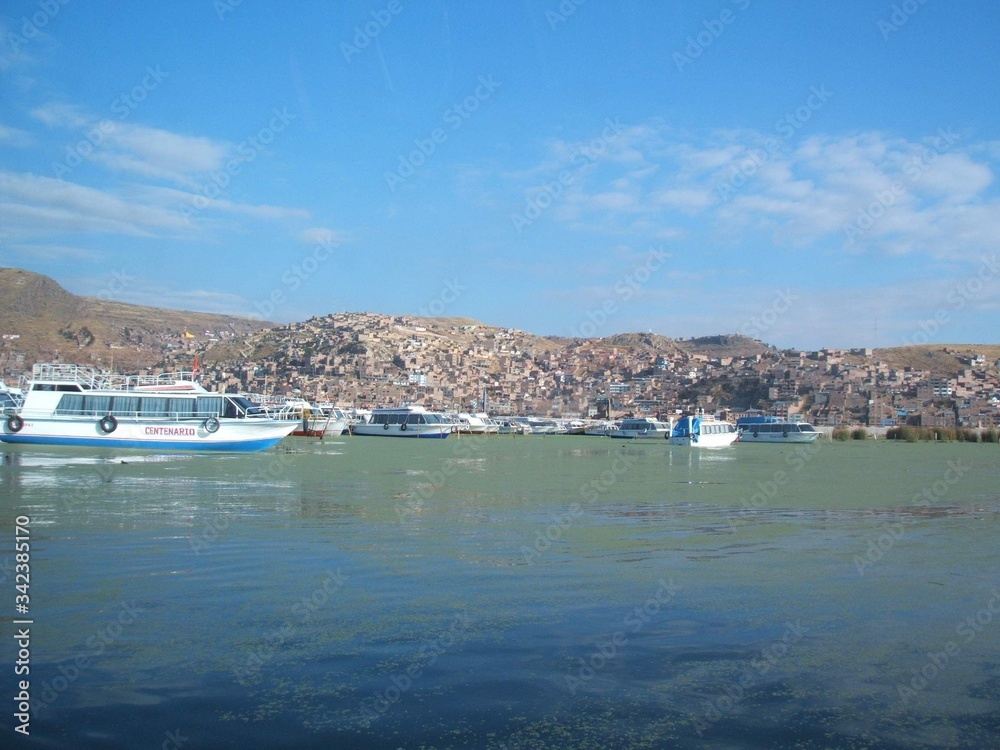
(385, 426)
(212, 424)
(14, 423)
(402, 427)
(108, 424)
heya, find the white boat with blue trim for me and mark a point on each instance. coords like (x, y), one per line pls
(703, 432)
(774, 430)
(76, 405)
(407, 422)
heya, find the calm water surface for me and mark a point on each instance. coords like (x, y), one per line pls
(529, 592)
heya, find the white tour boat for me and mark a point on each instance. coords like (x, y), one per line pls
(642, 428)
(703, 432)
(605, 429)
(407, 422)
(83, 406)
(771, 430)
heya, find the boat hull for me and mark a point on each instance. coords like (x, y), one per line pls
(639, 434)
(792, 437)
(412, 431)
(242, 435)
(723, 440)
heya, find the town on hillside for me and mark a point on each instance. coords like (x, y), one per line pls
(367, 360)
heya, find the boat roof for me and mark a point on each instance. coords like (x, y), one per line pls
(94, 379)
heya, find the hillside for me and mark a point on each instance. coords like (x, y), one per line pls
(41, 321)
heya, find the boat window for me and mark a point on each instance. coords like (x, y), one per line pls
(125, 406)
(414, 419)
(97, 404)
(209, 405)
(68, 388)
(70, 404)
(42, 387)
(153, 406)
(182, 407)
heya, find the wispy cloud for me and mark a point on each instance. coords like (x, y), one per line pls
(46, 252)
(159, 154)
(15, 137)
(938, 193)
(37, 206)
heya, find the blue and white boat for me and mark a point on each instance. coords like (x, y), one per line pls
(77, 405)
(407, 422)
(641, 428)
(703, 432)
(774, 430)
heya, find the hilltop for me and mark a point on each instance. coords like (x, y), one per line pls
(41, 321)
(371, 359)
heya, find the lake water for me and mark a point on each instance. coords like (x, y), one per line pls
(509, 592)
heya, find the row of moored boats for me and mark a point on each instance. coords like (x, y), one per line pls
(77, 405)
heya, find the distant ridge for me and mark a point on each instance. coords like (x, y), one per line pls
(51, 322)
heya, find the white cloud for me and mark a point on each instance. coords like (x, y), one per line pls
(320, 236)
(54, 252)
(32, 206)
(14, 137)
(60, 115)
(930, 196)
(159, 154)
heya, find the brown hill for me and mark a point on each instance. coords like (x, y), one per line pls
(41, 321)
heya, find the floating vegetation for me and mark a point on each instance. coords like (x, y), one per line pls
(943, 434)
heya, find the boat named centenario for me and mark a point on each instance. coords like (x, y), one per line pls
(76, 405)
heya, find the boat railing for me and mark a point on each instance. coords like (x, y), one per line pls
(93, 378)
(126, 415)
(160, 379)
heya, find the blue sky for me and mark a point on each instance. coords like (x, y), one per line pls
(822, 174)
